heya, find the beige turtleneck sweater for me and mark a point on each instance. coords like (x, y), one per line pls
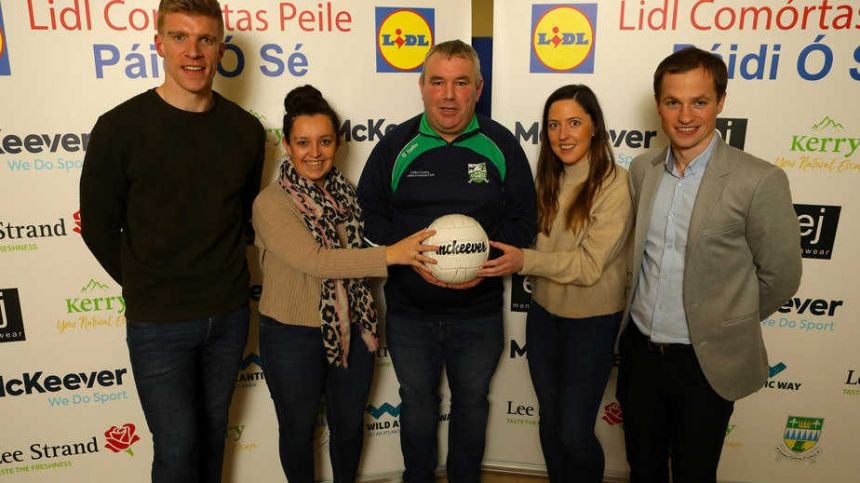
(584, 274)
(294, 263)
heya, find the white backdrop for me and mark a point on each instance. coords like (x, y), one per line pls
(68, 62)
(792, 100)
(64, 374)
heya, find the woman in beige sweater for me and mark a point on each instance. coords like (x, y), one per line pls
(578, 270)
(317, 319)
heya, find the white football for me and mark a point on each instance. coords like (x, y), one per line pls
(463, 247)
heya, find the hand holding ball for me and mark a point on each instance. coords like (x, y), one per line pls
(463, 247)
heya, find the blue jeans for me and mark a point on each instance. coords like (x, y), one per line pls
(569, 362)
(298, 374)
(185, 373)
(469, 349)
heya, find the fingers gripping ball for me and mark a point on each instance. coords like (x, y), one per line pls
(463, 247)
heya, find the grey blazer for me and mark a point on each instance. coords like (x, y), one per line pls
(742, 260)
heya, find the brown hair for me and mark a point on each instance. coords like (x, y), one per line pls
(690, 58)
(550, 169)
(206, 8)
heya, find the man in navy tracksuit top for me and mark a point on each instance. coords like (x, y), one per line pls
(446, 160)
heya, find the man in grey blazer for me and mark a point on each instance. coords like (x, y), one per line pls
(716, 250)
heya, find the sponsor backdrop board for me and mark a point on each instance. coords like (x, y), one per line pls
(794, 72)
(64, 369)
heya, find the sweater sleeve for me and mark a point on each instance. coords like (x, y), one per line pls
(282, 233)
(103, 195)
(608, 228)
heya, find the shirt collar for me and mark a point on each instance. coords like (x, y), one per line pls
(698, 164)
(425, 129)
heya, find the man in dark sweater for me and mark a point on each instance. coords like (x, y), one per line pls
(166, 191)
(418, 172)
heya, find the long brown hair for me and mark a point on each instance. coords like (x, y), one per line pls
(550, 169)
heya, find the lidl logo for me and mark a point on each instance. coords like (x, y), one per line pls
(403, 38)
(4, 48)
(563, 38)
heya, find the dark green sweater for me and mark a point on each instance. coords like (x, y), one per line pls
(165, 201)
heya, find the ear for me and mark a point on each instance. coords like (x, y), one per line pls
(480, 89)
(159, 44)
(721, 103)
(286, 146)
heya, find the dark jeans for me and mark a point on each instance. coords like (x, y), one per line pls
(670, 412)
(569, 362)
(185, 373)
(298, 374)
(469, 349)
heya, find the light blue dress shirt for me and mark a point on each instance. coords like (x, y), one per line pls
(658, 304)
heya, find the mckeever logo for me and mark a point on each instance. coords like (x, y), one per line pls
(39, 383)
(828, 146)
(817, 229)
(801, 438)
(93, 307)
(11, 322)
(4, 48)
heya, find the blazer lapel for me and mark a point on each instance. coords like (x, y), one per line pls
(713, 183)
(645, 200)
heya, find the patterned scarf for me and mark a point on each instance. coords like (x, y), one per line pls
(323, 209)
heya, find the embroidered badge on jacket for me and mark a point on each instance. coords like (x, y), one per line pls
(478, 173)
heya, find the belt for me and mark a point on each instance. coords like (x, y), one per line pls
(662, 347)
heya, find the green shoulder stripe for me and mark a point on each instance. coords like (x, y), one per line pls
(427, 139)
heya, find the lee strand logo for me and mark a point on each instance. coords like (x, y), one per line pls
(562, 38)
(5, 69)
(121, 438)
(11, 321)
(818, 225)
(403, 38)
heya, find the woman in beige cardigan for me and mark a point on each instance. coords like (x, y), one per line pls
(578, 270)
(317, 319)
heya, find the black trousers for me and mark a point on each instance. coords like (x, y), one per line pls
(670, 411)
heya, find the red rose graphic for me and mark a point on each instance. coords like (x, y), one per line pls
(77, 217)
(612, 414)
(119, 439)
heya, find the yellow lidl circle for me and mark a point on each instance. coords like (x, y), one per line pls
(1, 42)
(404, 38)
(563, 38)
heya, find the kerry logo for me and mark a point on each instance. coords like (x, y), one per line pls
(4, 49)
(801, 437)
(562, 38)
(403, 38)
(827, 146)
(477, 173)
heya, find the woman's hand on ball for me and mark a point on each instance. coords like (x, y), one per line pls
(408, 251)
(510, 261)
